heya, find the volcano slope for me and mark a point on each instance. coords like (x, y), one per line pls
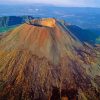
(43, 60)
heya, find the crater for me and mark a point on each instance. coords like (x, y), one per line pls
(46, 22)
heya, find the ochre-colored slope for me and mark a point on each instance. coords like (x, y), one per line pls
(38, 39)
(40, 57)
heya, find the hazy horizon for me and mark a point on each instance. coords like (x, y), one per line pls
(63, 3)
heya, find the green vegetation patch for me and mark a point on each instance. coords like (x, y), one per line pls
(5, 29)
(98, 40)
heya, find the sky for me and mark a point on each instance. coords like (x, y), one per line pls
(72, 3)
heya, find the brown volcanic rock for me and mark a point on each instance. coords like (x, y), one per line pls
(42, 60)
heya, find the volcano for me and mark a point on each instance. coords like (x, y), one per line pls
(42, 60)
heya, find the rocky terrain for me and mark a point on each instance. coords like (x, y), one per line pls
(42, 60)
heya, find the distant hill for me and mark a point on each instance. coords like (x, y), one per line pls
(12, 20)
(9, 22)
(96, 31)
(84, 35)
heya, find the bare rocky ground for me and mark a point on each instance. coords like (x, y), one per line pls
(42, 60)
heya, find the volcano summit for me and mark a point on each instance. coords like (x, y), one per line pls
(42, 60)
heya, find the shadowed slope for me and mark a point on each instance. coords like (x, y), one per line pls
(41, 57)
